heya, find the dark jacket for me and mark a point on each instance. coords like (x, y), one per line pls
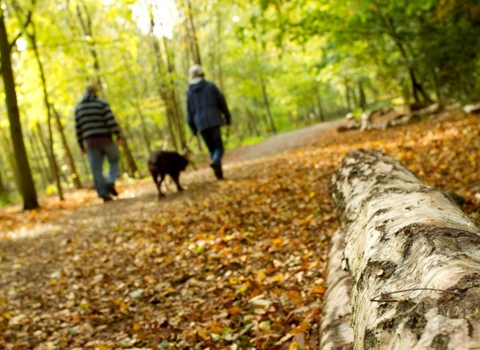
(205, 106)
(94, 118)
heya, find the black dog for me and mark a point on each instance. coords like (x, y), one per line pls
(166, 162)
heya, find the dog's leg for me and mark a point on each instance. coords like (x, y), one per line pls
(175, 177)
(159, 186)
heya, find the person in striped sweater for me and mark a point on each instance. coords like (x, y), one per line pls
(96, 128)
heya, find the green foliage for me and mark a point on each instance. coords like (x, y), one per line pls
(299, 58)
(7, 198)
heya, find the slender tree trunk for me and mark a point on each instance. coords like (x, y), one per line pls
(68, 153)
(436, 84)
(348, 97)
(417, 88)
(13, 164)
(38, 158)
(45, 147)
(2, 186)
(135, 103)
(51, 153)
(412, 254)
(267, 105)
(162, 89)
(321, 113)
(86, 24)
(251, 123)
(3, 175)
(193, 34)
(362, 99)
(266, 102)
(218, 45)
(145, 134)
(173, 96)
(127, 153)
(27, 186)
(353, 94)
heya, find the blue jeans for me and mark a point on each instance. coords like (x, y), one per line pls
(96, 156)
(213, 140)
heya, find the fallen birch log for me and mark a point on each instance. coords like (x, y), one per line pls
(335, 331)
(413, 255)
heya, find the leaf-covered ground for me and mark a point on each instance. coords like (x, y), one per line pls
(235, 264)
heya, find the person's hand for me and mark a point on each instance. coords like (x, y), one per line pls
(119, 142)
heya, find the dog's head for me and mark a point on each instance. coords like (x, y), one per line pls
(182, 162)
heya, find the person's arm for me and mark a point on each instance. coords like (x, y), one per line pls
(222, 106)
(112, 123)
(190, 114)
(78, 131)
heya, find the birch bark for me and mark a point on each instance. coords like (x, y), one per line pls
(413, 256)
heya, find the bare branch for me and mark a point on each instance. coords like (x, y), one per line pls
(26, 22)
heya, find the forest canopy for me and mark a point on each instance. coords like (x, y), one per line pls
(282, 64)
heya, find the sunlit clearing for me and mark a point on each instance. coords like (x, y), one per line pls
(21, 44)
(165, 14)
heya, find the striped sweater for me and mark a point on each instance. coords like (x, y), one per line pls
(94, 119)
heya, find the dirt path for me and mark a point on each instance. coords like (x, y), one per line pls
(180, 272)
(283, 142)
(235, 263)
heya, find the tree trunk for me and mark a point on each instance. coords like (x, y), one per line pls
(321, 113)
(348, 97)
(361, 93)
(11, 160)
(136, 104)
(218, 50)
(266, 102)
(27, 186)
(436, 85)
(40, 140)
(38, 163)
(192, 34)
(3, 187)
(127, 153)
(162, 88)
(413, 256)
(172, 96)
(68, 153)
(51, 152)
(86, 24)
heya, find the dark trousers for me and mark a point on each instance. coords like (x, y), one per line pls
(213, 140)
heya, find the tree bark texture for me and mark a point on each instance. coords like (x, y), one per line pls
(27, 186)
(335, 331)
(413, 256)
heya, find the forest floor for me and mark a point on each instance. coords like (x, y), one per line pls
(231, 264)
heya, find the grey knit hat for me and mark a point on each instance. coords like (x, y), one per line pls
(195, 71)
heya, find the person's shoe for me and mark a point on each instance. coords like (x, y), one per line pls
(217, 169)
(111, 189)
(107, 198)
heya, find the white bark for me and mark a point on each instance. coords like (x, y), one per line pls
(335, 328)
(402, 237)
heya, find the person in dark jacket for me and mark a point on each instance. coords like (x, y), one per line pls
(95, 126)
(207, 111)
